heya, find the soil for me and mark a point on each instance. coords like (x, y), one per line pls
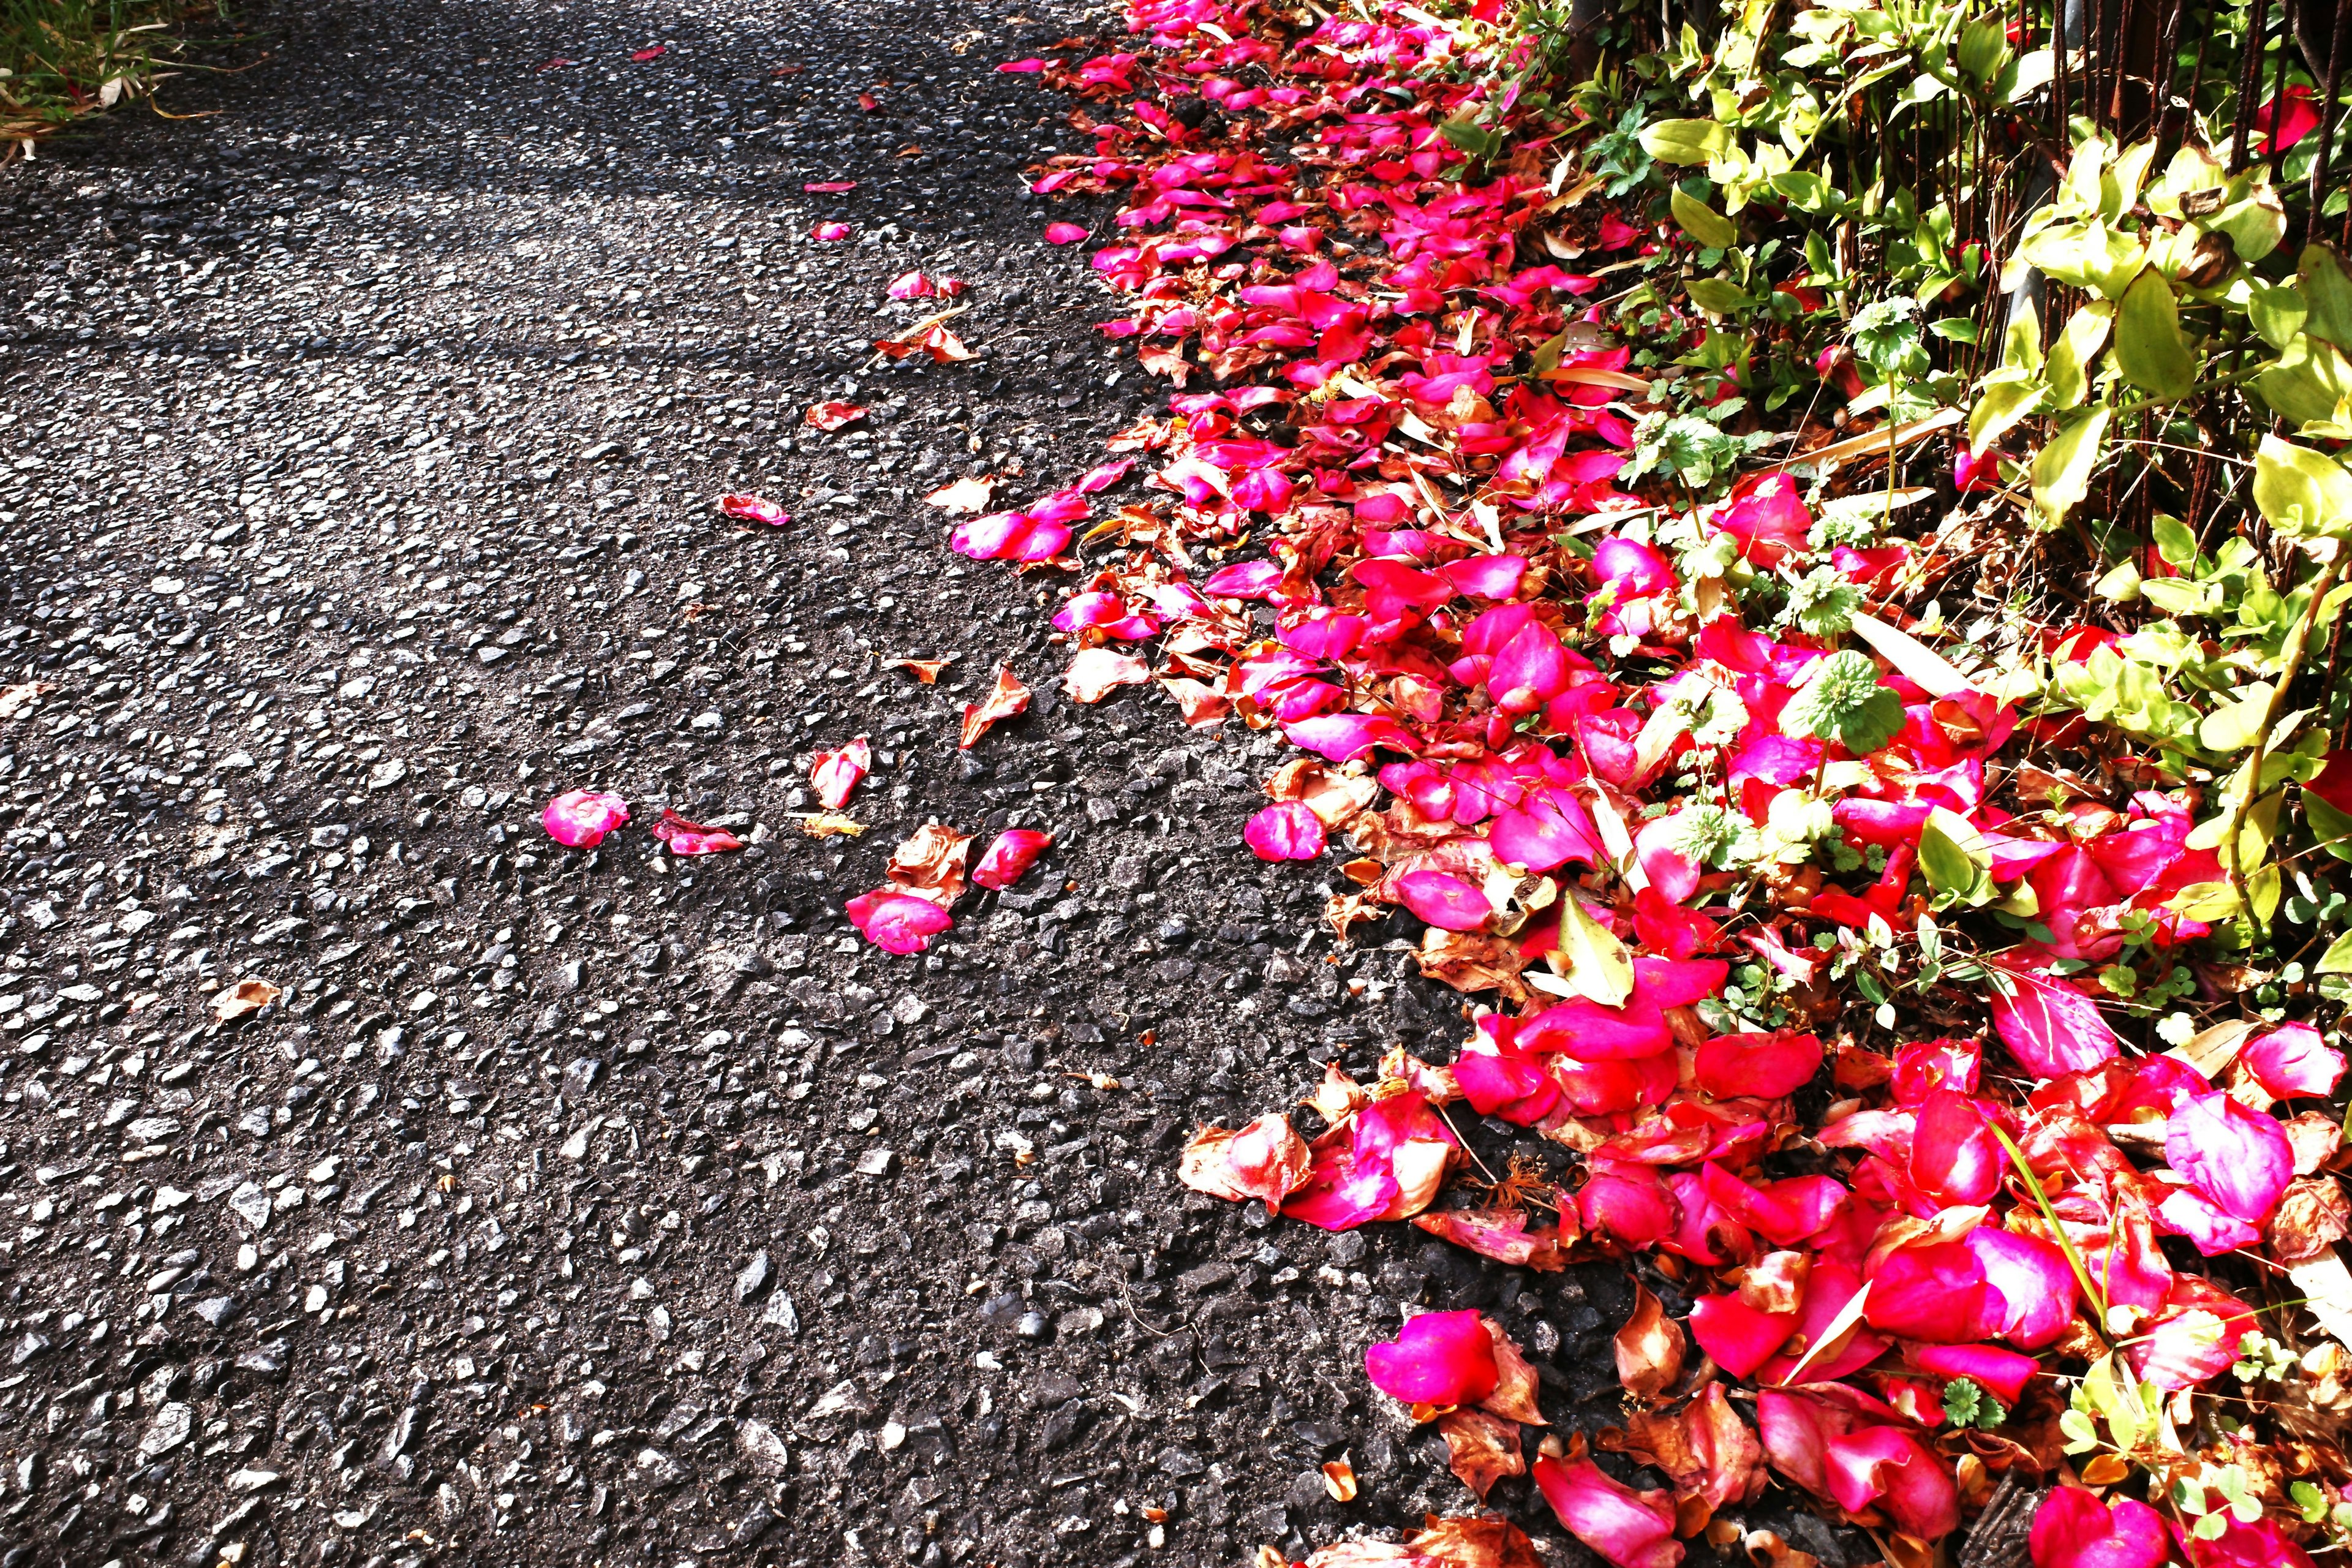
(358, 451)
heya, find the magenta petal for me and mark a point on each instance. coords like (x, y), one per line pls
(2003, 1373)
(2048, 1026)
(1765, 1065)
(1344, 737)
(1628, 1202)
(2033, 1280)
(1955, 1158)
(1668, 871)
(2237, 1157)
(1886, 1465)
(2074, 1529)
(1592, 1032)
(1443, 900)
(1935, 1293)
(1531, 670)
(1629, 1528)
(1242, 580)
(2186, 1212)
(1437, 1358)
(897, 923)
(1009, 858)
(1286, 830)
(2292, 1060)
(1740, 1338)
(579, 819)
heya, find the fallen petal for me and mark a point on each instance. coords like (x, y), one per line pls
(579, 819)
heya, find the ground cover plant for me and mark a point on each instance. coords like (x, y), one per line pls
(1805, 556)
(60, 60)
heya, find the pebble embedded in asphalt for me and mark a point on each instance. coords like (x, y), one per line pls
(358, 447)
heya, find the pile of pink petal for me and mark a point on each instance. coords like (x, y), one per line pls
(583, 819)
(1385, 517)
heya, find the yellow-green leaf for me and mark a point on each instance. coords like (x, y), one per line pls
(1597, 965)
(2327, 290)
(2061, 470)
(2338, 959)
(2150, 349)
(1702, 222)
(1686, 141)
(2302, 493)
(2079, 342)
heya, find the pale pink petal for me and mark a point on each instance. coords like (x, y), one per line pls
(2293, 1061)
(1888, 1465)
(2048, 1026)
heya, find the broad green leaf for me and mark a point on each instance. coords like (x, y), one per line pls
(1597, 965)
(2150, 349)
(1955, 858)
(1686, 141)
(2191, 169)
(2328, 290)
(2120, 192)
(2063, 469)
(2084, 334)
(2338, 959)
(2020, 345)
(1702, 222)
(2255, 224)
(2332, 827)
(2302, 493)
(2005, 398)
(2232, 726)
(2174, 542)
(2310, 382)
(2278, 312)
(1718, 294)
(2122, 584)
(2181, 595)
(1984, 48)
(1803, 190)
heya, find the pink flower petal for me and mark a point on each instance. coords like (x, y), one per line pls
(1955, 1158)
(753, 508)
(2072, 1529)
(1437, 1358)
(2048, 1026)
(831, 231)
(1443, 900)
(1765, 1065)
(1740, 1338)
(1286, 830)
(835, 774)
(1065, 233)
(2003, 1373)
(1888, 1465)
(1009, 858)
(2238, 1158)
(686, 837)
(1629, 1528)
(2292, 1062)
(897, 923)
(579, 819)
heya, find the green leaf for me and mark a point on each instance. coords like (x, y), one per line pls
(2173, 541)
(1468, 136)
(2302, 493)
(2310, 382)
(1845, 702)
(1984, 48)
(2331, 826)
(1702, 222)
(1955, 329)
(2256, 222)
(1805, 190)
(1719, 295)
(1686, 141)
(2004, 399)
(2150, 349)
(2338, 959)
(2079, 342)
(2062, 469)
(1955, 858)
(2278, 312)
(2327, 290)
